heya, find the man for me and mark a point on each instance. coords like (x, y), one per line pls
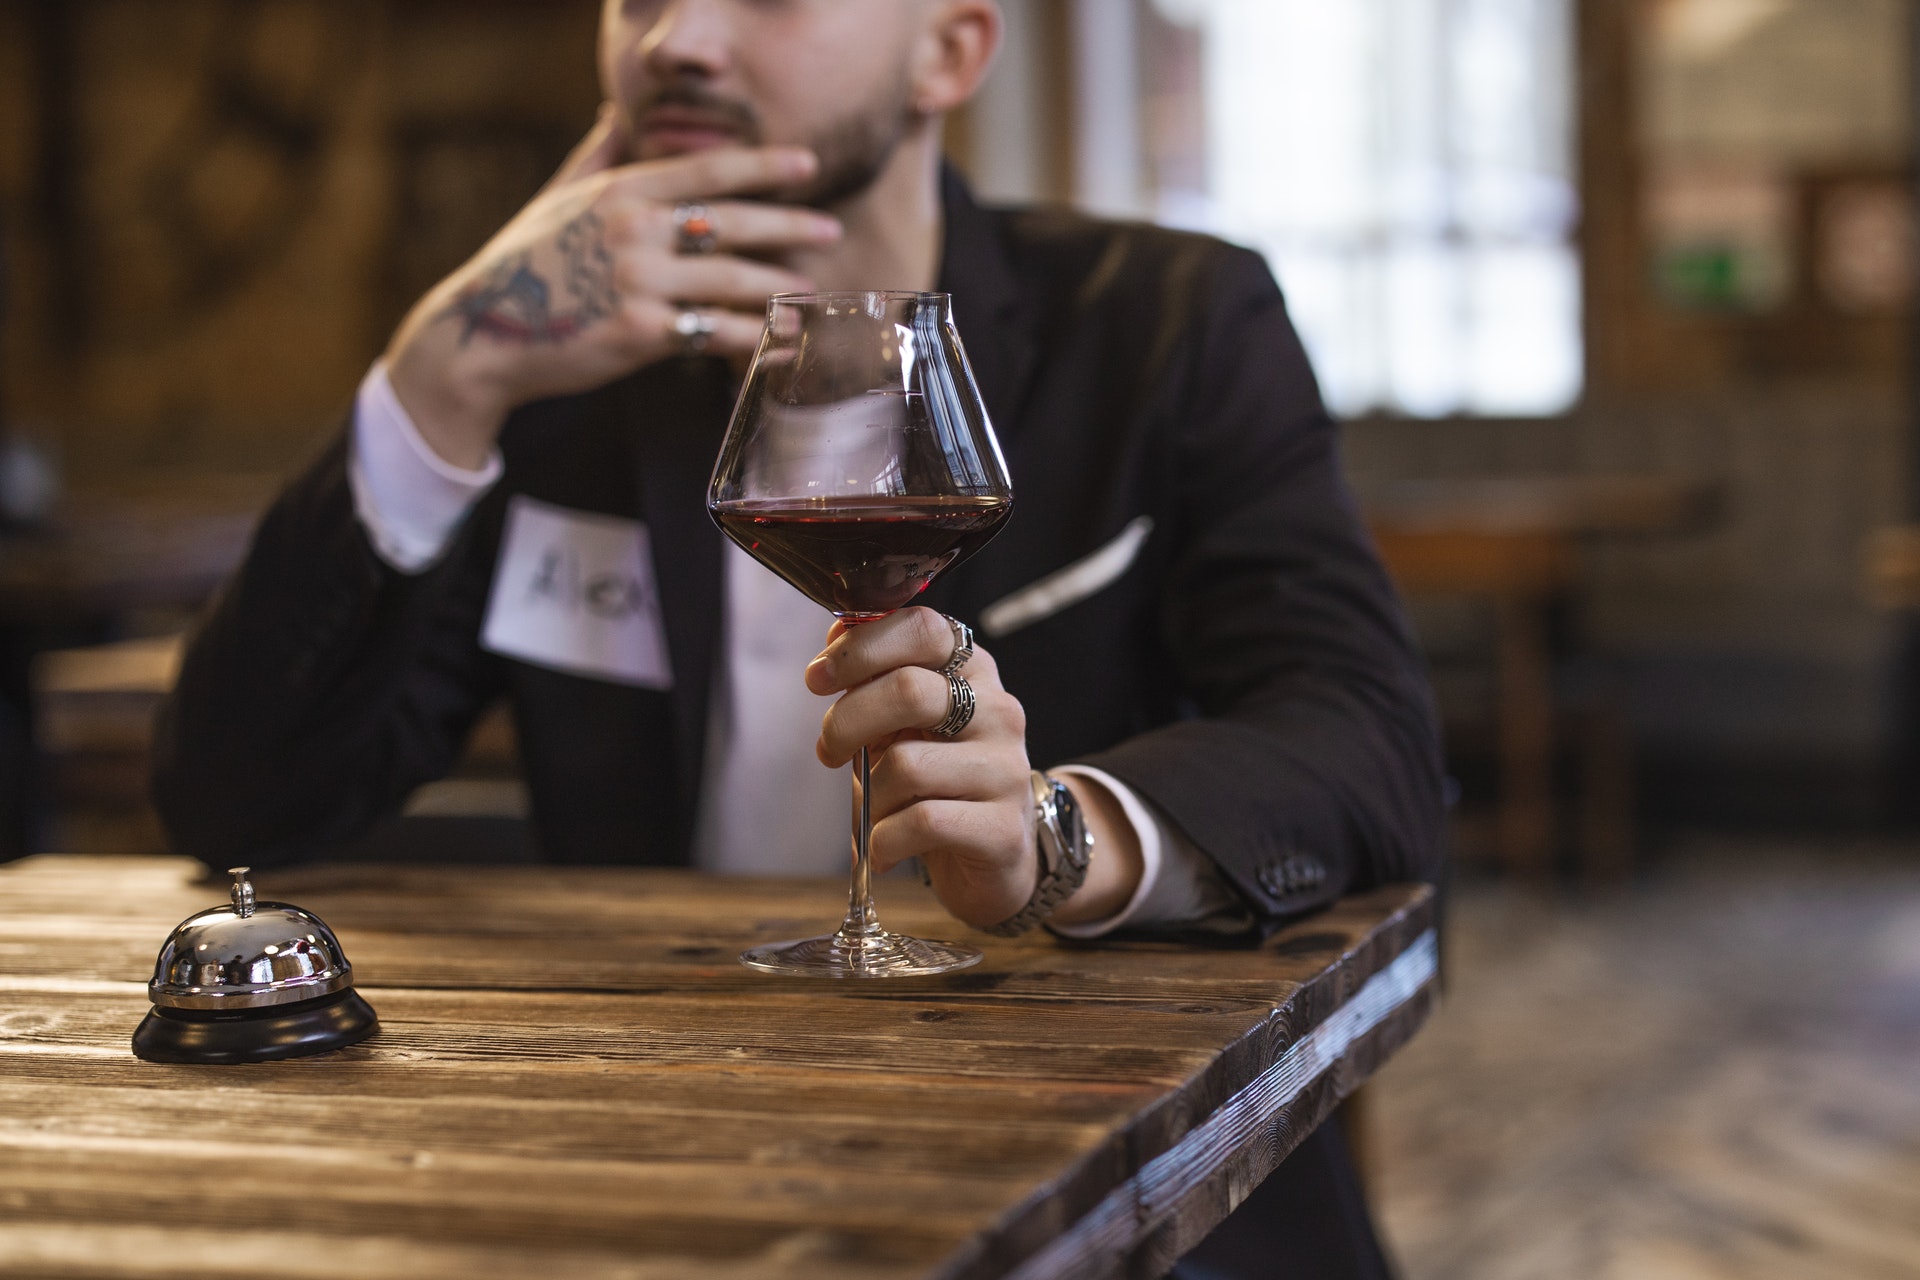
(1182, 619)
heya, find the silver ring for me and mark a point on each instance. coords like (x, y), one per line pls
(962, 646)
(693, 328)
(693, 228)
(960, 708)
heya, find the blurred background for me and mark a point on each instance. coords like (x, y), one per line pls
(1613, 296)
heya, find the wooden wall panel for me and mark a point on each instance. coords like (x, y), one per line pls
(218, 208)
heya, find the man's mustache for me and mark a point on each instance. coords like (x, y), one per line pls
(735, 115)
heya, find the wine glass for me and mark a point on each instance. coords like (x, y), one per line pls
(858, 466)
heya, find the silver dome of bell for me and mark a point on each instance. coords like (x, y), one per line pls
(249, 955)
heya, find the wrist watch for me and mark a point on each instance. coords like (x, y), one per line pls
(1066, 851)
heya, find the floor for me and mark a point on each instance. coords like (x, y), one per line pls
(1713, 1074)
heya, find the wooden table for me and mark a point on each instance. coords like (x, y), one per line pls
(575, 1079)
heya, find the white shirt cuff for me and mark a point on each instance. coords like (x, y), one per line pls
(1175, 877)
(409, 499)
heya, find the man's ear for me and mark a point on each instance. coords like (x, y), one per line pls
(955, 51)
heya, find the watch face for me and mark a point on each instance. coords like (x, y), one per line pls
(1076, 849)
(1079, 845)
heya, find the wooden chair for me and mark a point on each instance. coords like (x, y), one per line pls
(1514, 542)
(93, 723)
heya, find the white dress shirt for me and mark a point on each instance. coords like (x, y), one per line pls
(767, 807)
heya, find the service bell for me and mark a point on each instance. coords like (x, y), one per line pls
(251, 982)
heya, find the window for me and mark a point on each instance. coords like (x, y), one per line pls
(1406, 165)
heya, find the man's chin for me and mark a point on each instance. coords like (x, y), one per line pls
(666, 143)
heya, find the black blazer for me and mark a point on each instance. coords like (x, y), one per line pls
(1249, 673)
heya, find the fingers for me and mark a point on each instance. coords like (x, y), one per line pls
(738, 224)
(722, 171)
(720, 281)
(967, 835)
(913, 698)
(641, 234)
(908, 698)
(916, 637)
(911, 771)
(651, 322)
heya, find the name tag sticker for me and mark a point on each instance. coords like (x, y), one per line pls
(575, 591)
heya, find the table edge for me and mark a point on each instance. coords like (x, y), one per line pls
(1305, 1066)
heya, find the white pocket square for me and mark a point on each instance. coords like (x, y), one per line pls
(1068, 586)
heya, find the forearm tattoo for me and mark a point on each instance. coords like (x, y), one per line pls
(514, 303)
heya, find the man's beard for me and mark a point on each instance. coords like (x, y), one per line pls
(853, 150)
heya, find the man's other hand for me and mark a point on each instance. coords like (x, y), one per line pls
(585, 284)
(963, 805)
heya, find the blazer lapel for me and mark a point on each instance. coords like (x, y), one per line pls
(677, 412)
(988, 307)
(996, 325)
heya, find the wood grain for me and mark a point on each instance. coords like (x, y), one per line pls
(574, 1078)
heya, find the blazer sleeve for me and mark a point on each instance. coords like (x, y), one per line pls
(323, 686)
(1312, 767)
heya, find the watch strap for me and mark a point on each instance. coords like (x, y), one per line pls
(1065, 851)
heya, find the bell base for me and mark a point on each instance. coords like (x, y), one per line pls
(255, 1035)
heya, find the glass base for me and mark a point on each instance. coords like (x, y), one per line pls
(860, 955)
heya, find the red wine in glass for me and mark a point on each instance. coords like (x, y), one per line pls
(859, 466)
(862, 557)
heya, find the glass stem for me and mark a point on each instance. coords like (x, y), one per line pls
(861, 921)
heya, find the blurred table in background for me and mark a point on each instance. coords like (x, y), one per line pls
(153, 543)
(129, 556)
(1514, 541)
(1559, 505)
(94, 708)
(1892, 568)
